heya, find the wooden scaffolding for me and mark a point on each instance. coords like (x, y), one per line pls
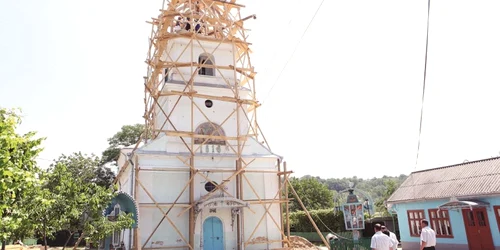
(221, 22)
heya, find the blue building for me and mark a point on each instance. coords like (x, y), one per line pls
(461, 202)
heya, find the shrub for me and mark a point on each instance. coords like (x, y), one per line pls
(326, 220)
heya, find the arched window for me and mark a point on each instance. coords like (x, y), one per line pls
(206, 59)
(208, 128)
(116, 234)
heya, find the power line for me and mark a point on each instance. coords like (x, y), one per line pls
(275, 50)
(423, 95)
(293, 53)
(423, 87)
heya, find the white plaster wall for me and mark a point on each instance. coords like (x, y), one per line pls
(180, 50)
(161, 161)
(259, 225)
(251, 150)
(265, 185)
(163, 186)
(222, 113)
(273, 225)
(166, 235)
(125, 180)
(152, 161)
(200, 181)
(265, 163)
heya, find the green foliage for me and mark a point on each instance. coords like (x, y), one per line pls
(17, 173)
(377, 188)
(87, 168)
(56, 203)
(72, 194)
(128, 135)
(102, 227)
(314, 194)
(391, 187)
(325, 219)
(87, 194)
(94, 224)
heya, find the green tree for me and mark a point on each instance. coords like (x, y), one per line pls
(128, 135)
(314, 195)
(390, 188)
(58, 200)
(95, 225)
(88, 168)
(75, 178)
(17, 173)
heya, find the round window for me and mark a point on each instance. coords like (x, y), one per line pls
(209, 186)
(209, 103)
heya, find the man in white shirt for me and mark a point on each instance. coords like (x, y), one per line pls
(394, 242)
(427, 236)
(379, 240)
(391, 234)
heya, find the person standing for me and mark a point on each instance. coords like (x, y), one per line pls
(427, 236)
(391, 234)
(379, 240)
(394, 242)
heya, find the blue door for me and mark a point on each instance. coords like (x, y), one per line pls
(213, 234)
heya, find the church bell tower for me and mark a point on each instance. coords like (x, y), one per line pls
(204, 177)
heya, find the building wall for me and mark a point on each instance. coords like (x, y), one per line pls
(182, 51)
(222, 112)
(459, 240)
(495, 231)
(165, 177)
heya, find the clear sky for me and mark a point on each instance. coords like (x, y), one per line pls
(347, 103)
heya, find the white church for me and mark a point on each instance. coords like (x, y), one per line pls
(203, 181)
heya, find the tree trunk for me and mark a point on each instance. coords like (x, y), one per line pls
(45, 236)
(3, 244)
(79, 240)
(69, 238)
(45, 239)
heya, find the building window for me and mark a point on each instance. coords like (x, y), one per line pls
(414, 218)
(208, 103)
(440, 222)
(165, 75)
(116, 234)
(209, 186)
(497, 214)
(205, 59)
(210, 129)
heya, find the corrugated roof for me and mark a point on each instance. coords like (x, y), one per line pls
(475, 178)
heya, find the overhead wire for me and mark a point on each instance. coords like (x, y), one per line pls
(276, 50)
(293, 52)
(423, 97)
(423, 86)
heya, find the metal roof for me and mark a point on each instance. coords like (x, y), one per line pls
(475, 178)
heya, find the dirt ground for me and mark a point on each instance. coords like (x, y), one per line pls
(300, 243)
